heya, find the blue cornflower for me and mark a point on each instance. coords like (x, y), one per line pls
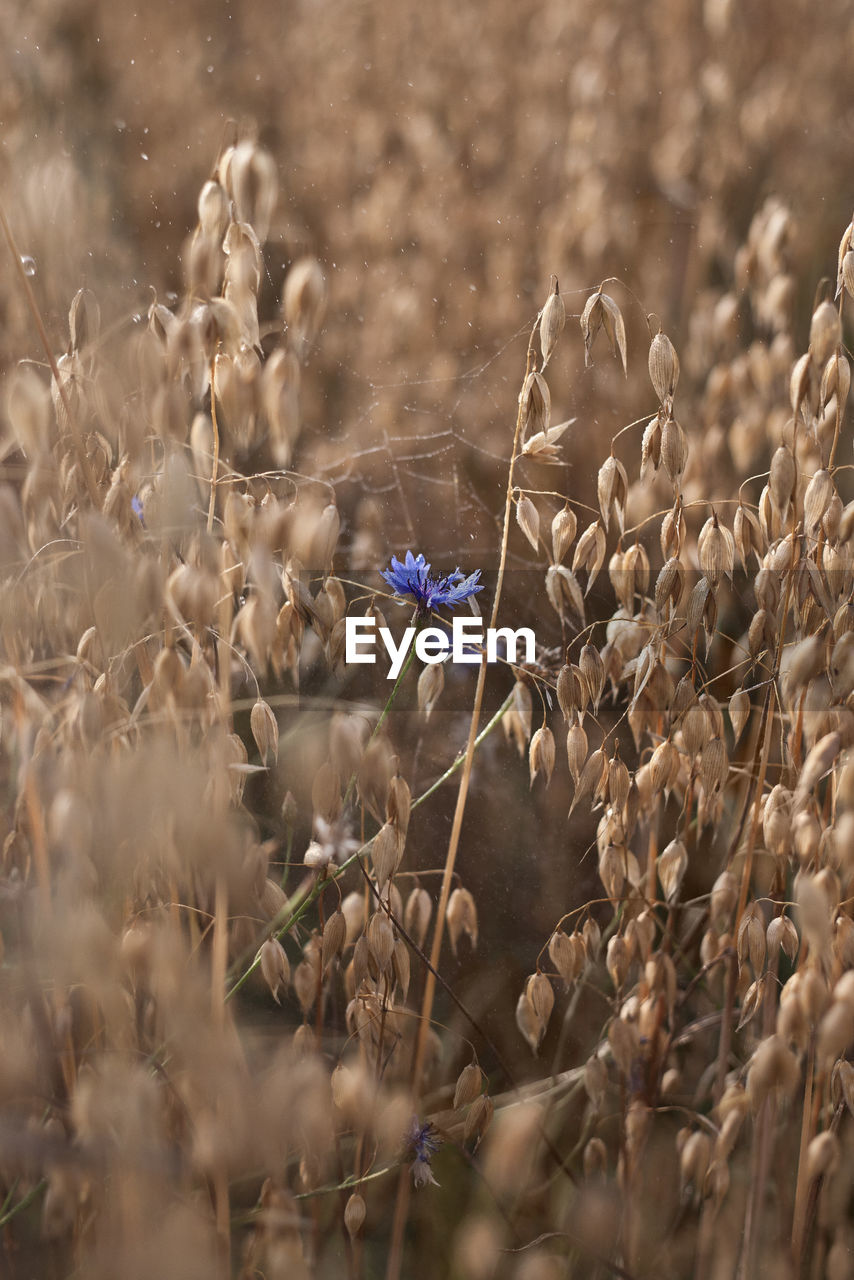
(423, 1145)
(412, 578)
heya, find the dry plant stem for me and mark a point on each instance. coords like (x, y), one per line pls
(386, 709)
(76, 435)
(462, 795)
(763, 1145)
(215, 467)
(799, 1216)
(38, 839)
(402, 1204)
(218, 966)
(763, 748)
(300, 901)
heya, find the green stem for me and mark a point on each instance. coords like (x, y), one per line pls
(299, 903)
(23, 1204)
(384, 714)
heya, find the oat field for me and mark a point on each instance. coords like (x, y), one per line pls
(329, 333)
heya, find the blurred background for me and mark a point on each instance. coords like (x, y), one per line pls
(442, 162)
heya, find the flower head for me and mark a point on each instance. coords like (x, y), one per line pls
(332, 843)
(423, 1144)
(412, 578)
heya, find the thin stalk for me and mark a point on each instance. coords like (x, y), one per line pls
(386, 709)
(395, 1258)
(799, 1216)
(300, 901)
(215, 467)
(74, 426)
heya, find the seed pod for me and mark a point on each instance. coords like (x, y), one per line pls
(747, 534)
(274, 967)
(673, 531)
(825, 332)
(651, 446)
(552, 321)
(528, 519)
(618, 781)
(661, 765)
(800, 381)
(669, 585)
(567, 955)
(739, 710)
(593, 777)
(723, 898)
(819, 761)
(536, 402)
(529, 1024)
(479, 1118)
(523, 706)
(615, 328)
(836, 381)
(823, 1152)
(612, 489)
(590, 552)
(304, 301)
(696, 729)
(334, 937)
(716, 551)
(431, 682)
(306, 983)
(636, 568)
(380, 936)
(773, 1068)
(571, 691)
(620, 581)
(750, 943)
(674, 450)
(618, 960)
(808, 660)
(265, 730)
(416, 917)
(386, 853)
(540, 993)
(326, 793)
(663, 366)
(361, 967)
(84, 320)
(847, 273)
(541, 755)
(714, 766)
(355, 1212)
(461, 916)
(213, 210)
(694, 1155)
(469, 1085)
(593, 670)
(817, 499)
(564, 592)
(564, 527)
(399, 804)
(591, 322)
(576, 750)
(782, 479)
(806, 836)
(672, 864)
(761, 634)
(841, 667)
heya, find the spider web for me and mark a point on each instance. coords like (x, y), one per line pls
(438, 473)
